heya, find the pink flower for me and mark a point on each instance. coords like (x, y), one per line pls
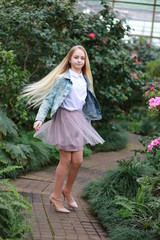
(91, 35)
(29, 103)
(159, 84)
(121, 24)
(104, 42)
(152, 88)
(135, 74)
(49, 7)
(95, 46)
(155, 142)
(134, 55)
(150, 147)
(110, 7)
(130, 74)
(154, 102)
(148, 44)
(146, 92)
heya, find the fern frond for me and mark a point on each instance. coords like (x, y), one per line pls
(4, 159)
(17, 151)
(9, 169)
(7, 125)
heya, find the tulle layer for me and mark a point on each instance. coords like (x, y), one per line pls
(69, 131)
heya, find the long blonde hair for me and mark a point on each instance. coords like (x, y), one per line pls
(36, 92)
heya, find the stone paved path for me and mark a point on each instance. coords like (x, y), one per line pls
(80, 224)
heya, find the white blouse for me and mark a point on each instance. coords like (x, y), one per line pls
(77, 95)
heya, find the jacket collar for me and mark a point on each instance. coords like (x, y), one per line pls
(68, 76)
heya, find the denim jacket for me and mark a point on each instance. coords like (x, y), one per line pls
(59, 91)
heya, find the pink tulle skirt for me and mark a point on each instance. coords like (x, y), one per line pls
(69, 131)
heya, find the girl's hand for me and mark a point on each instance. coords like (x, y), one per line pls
(37, 125)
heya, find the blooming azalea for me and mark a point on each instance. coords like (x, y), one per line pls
(152, 88)
(150, 147)
(146, 92)
(154, 102)
(154, 143)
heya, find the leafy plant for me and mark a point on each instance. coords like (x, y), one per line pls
(121, 201)
(129, 233)
(153, 67)
(115, 137)
(144, 208)
(14, 210)
(22, 150)
(12, 79)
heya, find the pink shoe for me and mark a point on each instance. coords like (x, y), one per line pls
(70, 200)
(56, 202)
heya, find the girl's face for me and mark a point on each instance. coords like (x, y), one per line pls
(77, 60)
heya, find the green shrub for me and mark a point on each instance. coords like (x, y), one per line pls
(86, 151)
(22, 149)
(14, 211)
(143, 209)
(12, 79)
(153, 67)
(128, 233)
(135, 127)
(115, 138)
(120, 200)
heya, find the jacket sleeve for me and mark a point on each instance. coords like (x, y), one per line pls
(47, 103)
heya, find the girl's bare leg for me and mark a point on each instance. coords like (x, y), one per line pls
(65, 159)
(77, 159)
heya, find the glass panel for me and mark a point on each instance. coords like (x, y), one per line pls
(141, 12)
(156, 41)
(136, 1)
(156, 29)
(140, 27)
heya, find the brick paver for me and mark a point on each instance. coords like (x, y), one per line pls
(79, 224)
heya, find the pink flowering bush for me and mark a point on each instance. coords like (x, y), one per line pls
(154, 102)
(152, 93)
(154, 143)
(153, 153)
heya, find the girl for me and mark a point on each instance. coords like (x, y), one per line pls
(68, 92)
